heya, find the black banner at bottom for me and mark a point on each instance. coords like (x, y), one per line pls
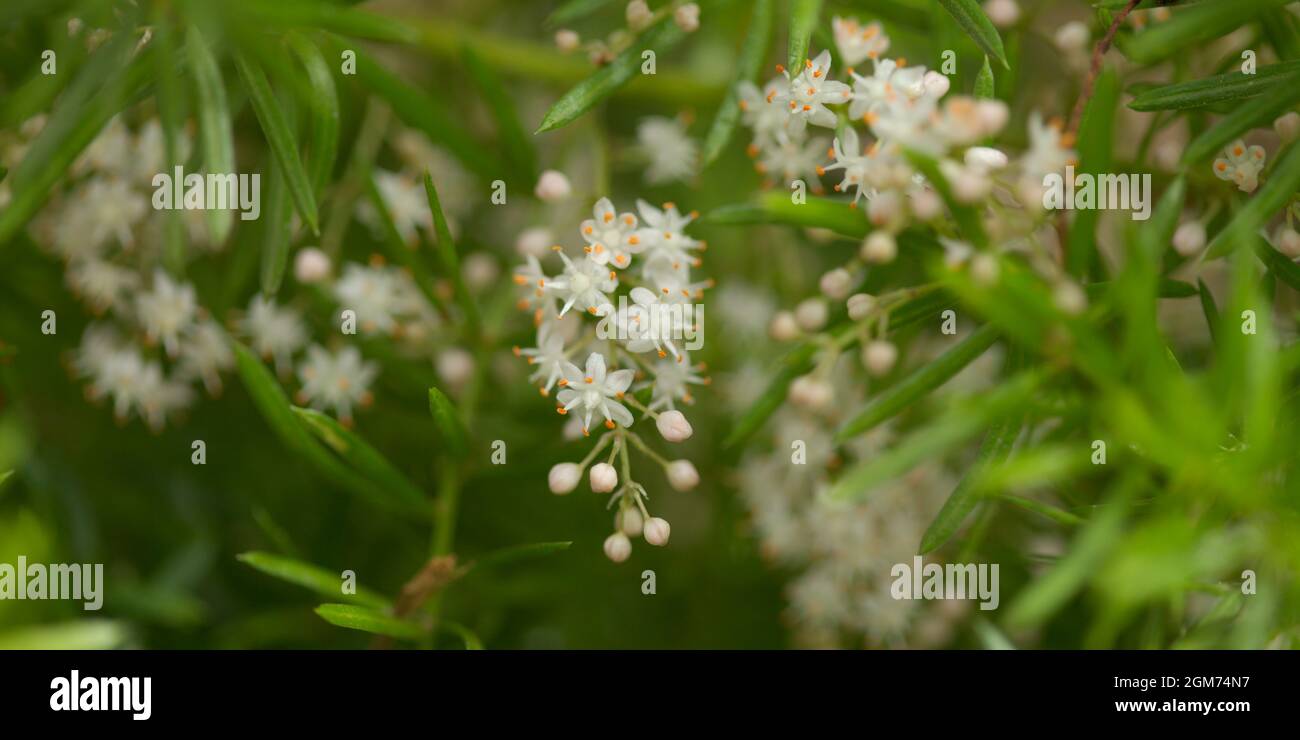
(333, 689)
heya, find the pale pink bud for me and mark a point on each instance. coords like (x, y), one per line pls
(656, 531)
(603, 477)
(673, 426)
(682, 475)
(618, 547)
(564, 477)
(311, 265)
(552, 186)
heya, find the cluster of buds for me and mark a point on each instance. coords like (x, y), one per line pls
(639, 17)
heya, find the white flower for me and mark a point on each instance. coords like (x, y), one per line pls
(100, 211)
(1072, 37)
(682, 475)
(672, 382)
(594, 390)
(548, 357)
(760, 112)
(374, 293)
(567, 40)
(810, 91)
(611, 237)
(1048, 152)
(888, 87)
(850, 158)
(1287, 127)
(407, 204)
(205, 352)
(1240, 164)
(791, 160)
(101, 284)
(672, 153)
(857, 43)
(583, 283)
(336, 380)
(552, 186)
(311, 265)
(652, 324)
(109, 153)
(664, 238)
(673, 426)
(166, 310)
(603, 478)
(563, 477)
(656, 531)
(534, 242)
(618, 547)
(162, 397)
(985, 159)
(273, 331)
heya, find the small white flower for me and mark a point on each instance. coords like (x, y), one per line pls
(672, 383)
(339, 380)
(99, 212)
(760, 112)
(656, 531)
(548, 357)
(889, 87)
(534, 242)
(407, 204)
(166, 311)
(583, 283)
(552, 186)
(1070, 298)
(1048, 152)
(791, 159)
(273, 331)
(673, 426)
(885, 211)
(455, 366)
(1240, 164)
(611, 237)
(603, 478)
(618, 547)
(664, 238)
(857, 43)
(855, 163)
(205, 352)
(563, 477)
(672, 153)
(378, 294)
(101, 284)
(1072, 37)
(652, 324)
(311, 265)
(811, 91)
(594, 390)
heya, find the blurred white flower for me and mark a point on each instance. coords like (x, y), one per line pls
(339, 381)
(673, 155)
(858, 43)
(166, 310)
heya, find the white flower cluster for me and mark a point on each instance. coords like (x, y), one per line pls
(903, 109)
(640, 345)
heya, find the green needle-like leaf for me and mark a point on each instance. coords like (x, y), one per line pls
(450, 427)
(995, 448)
(659, 38)
(283, 142)
(360, 455)
(918, 384)
(984, 80)
(515, 141)
(747, 68)
(1218, 89)
(777, 208)
(803, 20)
(365, 619)
(1192, 25)
(324, 107)
(311, 577)
(970, 16)
(216, 139)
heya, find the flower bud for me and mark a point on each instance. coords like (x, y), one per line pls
(480, 270)
(1072, 37)
(567, 40)
(1189, 238)
(811, 314)
(1070, 298)
(784, 327)
(879, 247)
(1288, 127)
(926, 204)
(860, 305)
(310, 265)
(563, 477)
(984, 269)
(1288, 241)
(552, 186)
(682, 475)
(534, 242)
(985, 158)
(638, 15)
(455, 366)
(1003, 13)
(884, 209)
(673, 426)
(992, 114)
(629, 522)
(837, 283)
(603, 477)
(656, 531)
(879, 357)
(687, 17)
(618, 547)
(935, 84)
(810, 392)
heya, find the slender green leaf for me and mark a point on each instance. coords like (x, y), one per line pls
(365, 619)
(275, 235)
(471, 640)
(995, 448)
(1258, 112)
(1096, 142)
(518, 553)
(450, 427)
(1210, 310)
(1193, 25)
(446, 247)
(984, 80)
(747, 68)
(80, 634)
(575, 10)
(1281, 266)
(359, 454)
(776, 208)
(659, 38)
(1218, 89)
(1271, 198)
(803, 20)
(283, 142)
(920, 382)
(968, 219)
(216, 137)
(324, 107)
(311, 577)
(970, 16)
